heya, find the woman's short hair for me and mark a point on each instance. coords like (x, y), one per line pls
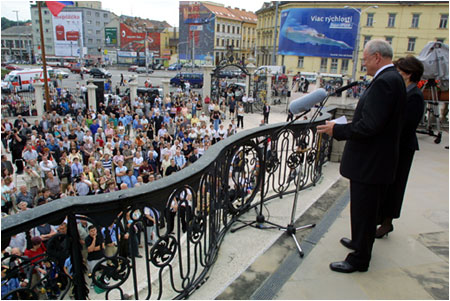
(410, 65)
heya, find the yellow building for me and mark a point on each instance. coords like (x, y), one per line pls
(408, 26)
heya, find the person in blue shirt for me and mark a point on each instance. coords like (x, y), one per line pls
(94, 127)
(129, 179)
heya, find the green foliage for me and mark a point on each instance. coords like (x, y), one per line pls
(7, 23)
(5, 72)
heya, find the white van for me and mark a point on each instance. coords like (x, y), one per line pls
(271, 69)
(23, 80)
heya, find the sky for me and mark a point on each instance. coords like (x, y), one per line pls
(159, 10)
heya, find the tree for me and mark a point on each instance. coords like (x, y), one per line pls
(6, 23)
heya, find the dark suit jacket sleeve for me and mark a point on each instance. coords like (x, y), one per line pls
(375, 114)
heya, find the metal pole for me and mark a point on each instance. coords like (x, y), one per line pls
(356, 53)
(47, 96)
(274, 59)
(20, 46)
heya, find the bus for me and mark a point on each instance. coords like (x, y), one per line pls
(61, 61)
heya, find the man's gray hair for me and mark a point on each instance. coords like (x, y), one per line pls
(380, 46)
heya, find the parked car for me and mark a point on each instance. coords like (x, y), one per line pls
(76, 68)
(132, 68)
(195, 79)
(100, 72)
(175, 67)
(13, 67)
(158, 67)
(143, 90)
(189, 65)
(58, 72)
(143, 70)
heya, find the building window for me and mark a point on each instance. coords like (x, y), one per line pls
(301, 60)
(232, 29)
(228, 29)
(223, 42)
(334, 65)
(444, 21)
(45, 12)
(97, 32)
(237, 43)
(366, 39)
(389, 40)
(391, 20)
(97, 14)
(105, 15)
(218, 28)
(99, 41)
(411, 44)
(89, 31)
(3, 43)
(415, 21)
(88, 13)
(217, 41)
(370, 20)
(237, 30)
(90, 41)
(344, 66)
(97, 23)
(223, 27)
(232, 42)
(46, 30)
(47, 21)
(88, 21)
(323, 65)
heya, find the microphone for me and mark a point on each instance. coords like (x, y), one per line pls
(306, 102)
(341, 89)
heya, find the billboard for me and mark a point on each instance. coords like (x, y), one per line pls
(196, 31)
(135, 41)
(318, 32)
(68, 33)
(110, 36)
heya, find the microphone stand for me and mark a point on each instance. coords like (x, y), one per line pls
(290, 229)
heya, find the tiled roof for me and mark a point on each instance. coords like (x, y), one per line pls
(16, 30)
(231, 13)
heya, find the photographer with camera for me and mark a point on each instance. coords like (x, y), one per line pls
(82, 185)
(16, 146)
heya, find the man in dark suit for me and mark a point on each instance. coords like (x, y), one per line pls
(266, 111)
(371, 153)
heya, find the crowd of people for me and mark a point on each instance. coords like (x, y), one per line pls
(74, 150)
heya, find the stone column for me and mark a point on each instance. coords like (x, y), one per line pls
(133, 89)
(269, 87)
(290, 89)
(166, 88)
(38, 94)
(92, 98)
(251, 69)
(206, 91)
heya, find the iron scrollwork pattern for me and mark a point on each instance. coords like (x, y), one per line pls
(159, 240)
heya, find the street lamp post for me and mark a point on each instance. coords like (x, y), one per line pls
(356, 51)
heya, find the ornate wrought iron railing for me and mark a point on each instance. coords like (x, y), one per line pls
(197, 204)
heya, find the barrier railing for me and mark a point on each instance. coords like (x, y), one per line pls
(181, 220)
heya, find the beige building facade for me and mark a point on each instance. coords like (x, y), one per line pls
(408, 26)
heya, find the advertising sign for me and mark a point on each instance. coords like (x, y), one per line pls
(68, 33)
(196, 30)
(135, 41)
(110, 36)
(318, 32)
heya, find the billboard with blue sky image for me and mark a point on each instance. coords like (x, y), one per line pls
(318, 32)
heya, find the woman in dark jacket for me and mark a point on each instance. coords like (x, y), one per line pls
(411, 69)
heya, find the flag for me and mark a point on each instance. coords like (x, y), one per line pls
(56, 7)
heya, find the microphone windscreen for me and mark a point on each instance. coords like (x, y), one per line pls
(306, 102)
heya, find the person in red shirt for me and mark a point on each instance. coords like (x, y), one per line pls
(37, 248)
